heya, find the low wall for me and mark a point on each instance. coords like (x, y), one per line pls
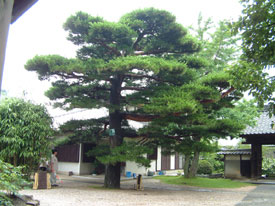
(66, 167)
(75, 167)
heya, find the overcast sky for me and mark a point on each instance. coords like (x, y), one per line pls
(39, 31)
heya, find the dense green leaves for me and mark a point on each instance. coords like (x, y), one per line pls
(11, 181)
(158, 32)
(128, 151)
(24, 133)
(256, 26)
(220, 47)
(252, 77)
(78, 26)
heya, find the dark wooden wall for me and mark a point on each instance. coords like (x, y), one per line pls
(68, 153)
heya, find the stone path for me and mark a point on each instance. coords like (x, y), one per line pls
(87, 191)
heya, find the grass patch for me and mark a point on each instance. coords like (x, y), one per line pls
(202, 182)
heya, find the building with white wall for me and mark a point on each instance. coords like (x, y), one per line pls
(73, 158)
(159, 163)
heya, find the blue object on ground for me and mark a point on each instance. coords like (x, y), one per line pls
(161, 173)
(134, 175)
(128, 174)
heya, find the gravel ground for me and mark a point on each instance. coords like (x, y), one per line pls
(82, 191)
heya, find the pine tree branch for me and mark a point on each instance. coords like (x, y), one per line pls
(139, 117)
(68, 75)
(114, 51)
(148, 53)
(137, 53)
(140, 36)
(227, 92)
(149, 118)
(140, 76)
(100, 88)
(134, 88)
(223, 95)
(105, 128)
(178, 138)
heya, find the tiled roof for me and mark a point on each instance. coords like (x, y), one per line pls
(263, 126)
(235, 152)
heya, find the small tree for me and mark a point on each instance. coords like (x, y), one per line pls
(218, 42)
(193, 132)
(211, 115)
(24, 133)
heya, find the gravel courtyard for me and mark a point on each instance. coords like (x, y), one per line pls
(86, 191)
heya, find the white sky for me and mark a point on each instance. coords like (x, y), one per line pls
(39, 32)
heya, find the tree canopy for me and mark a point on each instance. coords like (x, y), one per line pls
(142, 68)
(256, 26)
(220, 45)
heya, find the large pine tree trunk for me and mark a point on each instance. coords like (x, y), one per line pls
(112, 176)
(112, 172)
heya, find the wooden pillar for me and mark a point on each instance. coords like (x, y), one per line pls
(256, 160)
(5, 20)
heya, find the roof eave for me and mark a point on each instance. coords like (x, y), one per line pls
(20, 7)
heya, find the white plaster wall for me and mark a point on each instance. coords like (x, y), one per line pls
(232, 166)
(181, 161)
(65, 167)
(135, 168)
(86, 168)
(78, 168)
(153, 166)
(159, 159)
(172, 162)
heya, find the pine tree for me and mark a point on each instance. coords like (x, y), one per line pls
(119, 65)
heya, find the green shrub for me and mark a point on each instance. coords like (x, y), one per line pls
(268, 166)
(204, 167)
(25, 131)
(11, 181)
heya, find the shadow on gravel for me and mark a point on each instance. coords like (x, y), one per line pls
(263, 195)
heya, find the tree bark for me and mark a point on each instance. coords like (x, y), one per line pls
(112, 172)
(112, 176)
(195, 164)
(14, 160)
(186, 165)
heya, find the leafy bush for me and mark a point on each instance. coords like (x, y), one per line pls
(218, 163)
(11, 181)
(25, 131)
(204, 167)
(268, 166)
